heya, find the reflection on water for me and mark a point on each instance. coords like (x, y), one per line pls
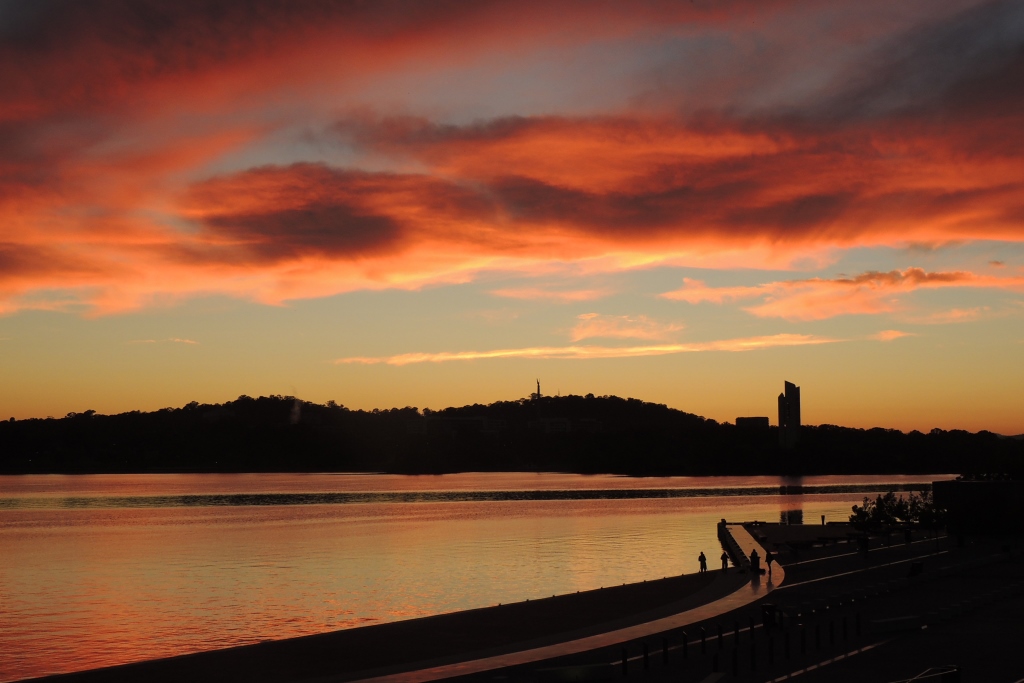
(100, 570)
(792, 516)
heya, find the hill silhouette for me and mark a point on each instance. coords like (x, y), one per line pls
(584, 434)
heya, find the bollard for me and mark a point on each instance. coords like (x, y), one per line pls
(771, 650)
(751, 629)
(736, 624)
(647, 662)
(664, 651)
(720, 636)
(735, 662)
(703, 641)
(686, 647)
(714, 663)
(625, 663)
(753, 656)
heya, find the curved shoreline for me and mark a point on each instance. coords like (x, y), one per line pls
(449, 640)
(429, 640)
(750, 589)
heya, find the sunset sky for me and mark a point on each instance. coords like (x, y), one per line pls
(390, 203)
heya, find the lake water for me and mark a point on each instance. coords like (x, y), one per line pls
(106, 569)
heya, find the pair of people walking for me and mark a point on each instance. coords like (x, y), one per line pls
(704, 562)
(755, 561)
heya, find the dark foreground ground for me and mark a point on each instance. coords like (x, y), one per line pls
(430, 641)
(844, 618)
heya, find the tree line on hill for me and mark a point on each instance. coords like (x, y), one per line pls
(583, 434)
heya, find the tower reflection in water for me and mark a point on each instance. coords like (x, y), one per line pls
(791, 491)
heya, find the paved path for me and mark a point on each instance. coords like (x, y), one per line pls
(750, 592)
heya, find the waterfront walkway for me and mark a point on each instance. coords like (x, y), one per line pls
(453, 644)
(751, 589)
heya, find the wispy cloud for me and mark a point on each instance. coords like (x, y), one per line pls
(953, 315)
(170, 340)
(556, 295)
(592, 325)
(890, 335)
(590, 352)
(872, 292)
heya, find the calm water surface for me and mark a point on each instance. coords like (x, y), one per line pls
(107, 569)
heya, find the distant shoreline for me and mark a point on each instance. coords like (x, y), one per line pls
(578, 434)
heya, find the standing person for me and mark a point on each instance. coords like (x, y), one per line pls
(703, 562)
(768, 559)
(755, 562)
(725, 561)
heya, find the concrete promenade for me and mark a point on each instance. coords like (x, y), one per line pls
(748, 592)
(473, 641)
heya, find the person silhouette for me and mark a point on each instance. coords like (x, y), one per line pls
(725, 561)
(703, 562)
(755, 561)
(768, 559)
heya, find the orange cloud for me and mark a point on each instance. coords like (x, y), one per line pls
(817, 298)
(592, 325)
(127, 139)
(589, 352)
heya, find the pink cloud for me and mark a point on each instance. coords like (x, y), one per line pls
(953, 315)
(594, 352)
(890, 335)
(818, 298)
(556, 295)
(592, 325)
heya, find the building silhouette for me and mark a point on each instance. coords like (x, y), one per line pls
(752, 422)
(789, 416)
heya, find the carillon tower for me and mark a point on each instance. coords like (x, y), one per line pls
(789, 416)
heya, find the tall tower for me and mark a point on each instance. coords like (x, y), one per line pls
(789, 416)
(537, 395)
